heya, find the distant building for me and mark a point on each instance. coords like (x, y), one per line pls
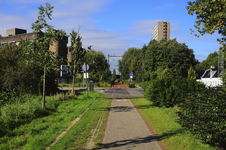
(15, 35)
(161, 30)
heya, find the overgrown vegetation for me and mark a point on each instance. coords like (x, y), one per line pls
(25, 125)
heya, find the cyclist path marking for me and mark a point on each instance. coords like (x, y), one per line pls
(126, 129)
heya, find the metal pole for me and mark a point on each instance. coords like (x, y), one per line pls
(83, 79)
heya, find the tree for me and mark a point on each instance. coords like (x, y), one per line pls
(211, 16)
(114, 74)
(39, 49)
(78, 54)
(137, 67)
(125, 64)
(98, 65)
(160, 73)
(191, 73)
(177, 56)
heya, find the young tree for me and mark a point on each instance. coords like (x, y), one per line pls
(191, 73)
(78, 54)
(39, 54)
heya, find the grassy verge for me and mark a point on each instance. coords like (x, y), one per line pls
(37, 129)
(77, 136)
(164, 122)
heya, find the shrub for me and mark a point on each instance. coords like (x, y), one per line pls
(203, 113)
(132, 85)
(169, 91)
(144, 85)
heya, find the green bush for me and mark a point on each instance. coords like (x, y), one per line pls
(144, 85)
(132, 85)
(169, 91)
(203, 113)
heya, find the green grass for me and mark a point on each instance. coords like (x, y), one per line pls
(77, 136)
(164, 122)
(26, 126)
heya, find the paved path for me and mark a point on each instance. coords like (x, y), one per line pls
(126, 130)
(120, 85)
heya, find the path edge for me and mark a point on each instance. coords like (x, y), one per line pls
(152, 131)
(105, 126)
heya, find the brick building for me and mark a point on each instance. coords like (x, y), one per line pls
(14, 36)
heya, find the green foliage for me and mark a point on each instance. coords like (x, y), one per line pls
(144, 85)
(26, 119)
(211, 60)
(176, 56)
(114, 74)
(191, 73)
(77, 52)
(132, 85)
(210, 17)
(23, 65)
(98, 66)
(169, 91)
(203, 113)
(223, 77)
(128, 58)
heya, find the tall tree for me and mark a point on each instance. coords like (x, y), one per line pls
(211, 16)
(176, 56)
(125, 64)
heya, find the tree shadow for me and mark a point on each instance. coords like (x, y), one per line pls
(121, 109)
(148, 139)
(24, 119)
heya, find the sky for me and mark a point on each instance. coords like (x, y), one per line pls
(112, 26)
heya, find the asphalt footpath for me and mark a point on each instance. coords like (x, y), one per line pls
(126, 130)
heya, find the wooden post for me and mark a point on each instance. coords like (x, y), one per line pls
(43, 101)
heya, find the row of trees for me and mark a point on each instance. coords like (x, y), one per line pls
(23, 67)
(176, 56)
(211, 17)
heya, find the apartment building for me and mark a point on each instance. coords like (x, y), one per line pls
(15, 35)
(161, 30)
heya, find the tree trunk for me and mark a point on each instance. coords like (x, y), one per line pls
(43, 101)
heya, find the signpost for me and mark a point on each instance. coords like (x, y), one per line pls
(131, 76)
(85, 68)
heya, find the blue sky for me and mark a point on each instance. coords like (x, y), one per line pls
(112, 26)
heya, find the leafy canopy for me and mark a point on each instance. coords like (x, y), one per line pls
(211, 16)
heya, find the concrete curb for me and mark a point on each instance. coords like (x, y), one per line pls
(105, 126)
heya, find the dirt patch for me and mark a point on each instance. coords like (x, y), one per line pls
(90, 142)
